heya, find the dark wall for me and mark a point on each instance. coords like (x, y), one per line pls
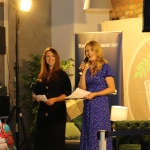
(34, 35)
(1, 55)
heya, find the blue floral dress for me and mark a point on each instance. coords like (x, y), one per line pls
(96, 112)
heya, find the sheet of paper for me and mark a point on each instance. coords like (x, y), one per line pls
(78, 94)
(40, 97)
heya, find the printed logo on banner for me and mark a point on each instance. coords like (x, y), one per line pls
(109, 45)
(102, 45)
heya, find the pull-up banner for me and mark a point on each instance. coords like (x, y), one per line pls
(111, 43)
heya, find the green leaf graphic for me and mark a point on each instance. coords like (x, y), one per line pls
(143, 68)
(147, 62)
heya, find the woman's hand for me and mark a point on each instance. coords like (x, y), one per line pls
(34, 99)
(50, 101)
(83, 67)
(90, 96)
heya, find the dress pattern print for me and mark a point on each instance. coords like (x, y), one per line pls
(96, 112)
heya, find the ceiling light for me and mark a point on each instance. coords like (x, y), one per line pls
(25, 5)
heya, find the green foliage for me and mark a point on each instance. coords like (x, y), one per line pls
(143, 68)
(27, 80)
(67, 64)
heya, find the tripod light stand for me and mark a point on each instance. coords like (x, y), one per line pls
(24, 4)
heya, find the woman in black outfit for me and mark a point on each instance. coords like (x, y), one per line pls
(51, 118)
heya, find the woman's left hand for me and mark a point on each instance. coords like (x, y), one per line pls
(90, 96)
(50, 101)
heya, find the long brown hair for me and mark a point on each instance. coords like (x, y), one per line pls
(100, 60)
(44, 74)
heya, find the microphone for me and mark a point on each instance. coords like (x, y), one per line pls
(85, 61)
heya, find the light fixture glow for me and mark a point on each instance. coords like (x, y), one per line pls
(118, 113)
(97, 5)
(25, 5)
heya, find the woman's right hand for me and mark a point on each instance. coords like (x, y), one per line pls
(34, 99)
(83, 67)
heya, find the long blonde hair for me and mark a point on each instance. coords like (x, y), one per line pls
(44, 72)
(100, 60)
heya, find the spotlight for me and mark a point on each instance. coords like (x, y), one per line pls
(25, 5)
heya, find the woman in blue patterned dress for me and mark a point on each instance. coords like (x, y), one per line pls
(98, 78)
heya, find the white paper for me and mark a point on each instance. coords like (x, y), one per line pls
(40, 97)
(78, 94)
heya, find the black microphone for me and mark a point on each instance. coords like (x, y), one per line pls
(85, 61)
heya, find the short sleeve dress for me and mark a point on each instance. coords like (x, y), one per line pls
(51, 120)
(96, 112)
